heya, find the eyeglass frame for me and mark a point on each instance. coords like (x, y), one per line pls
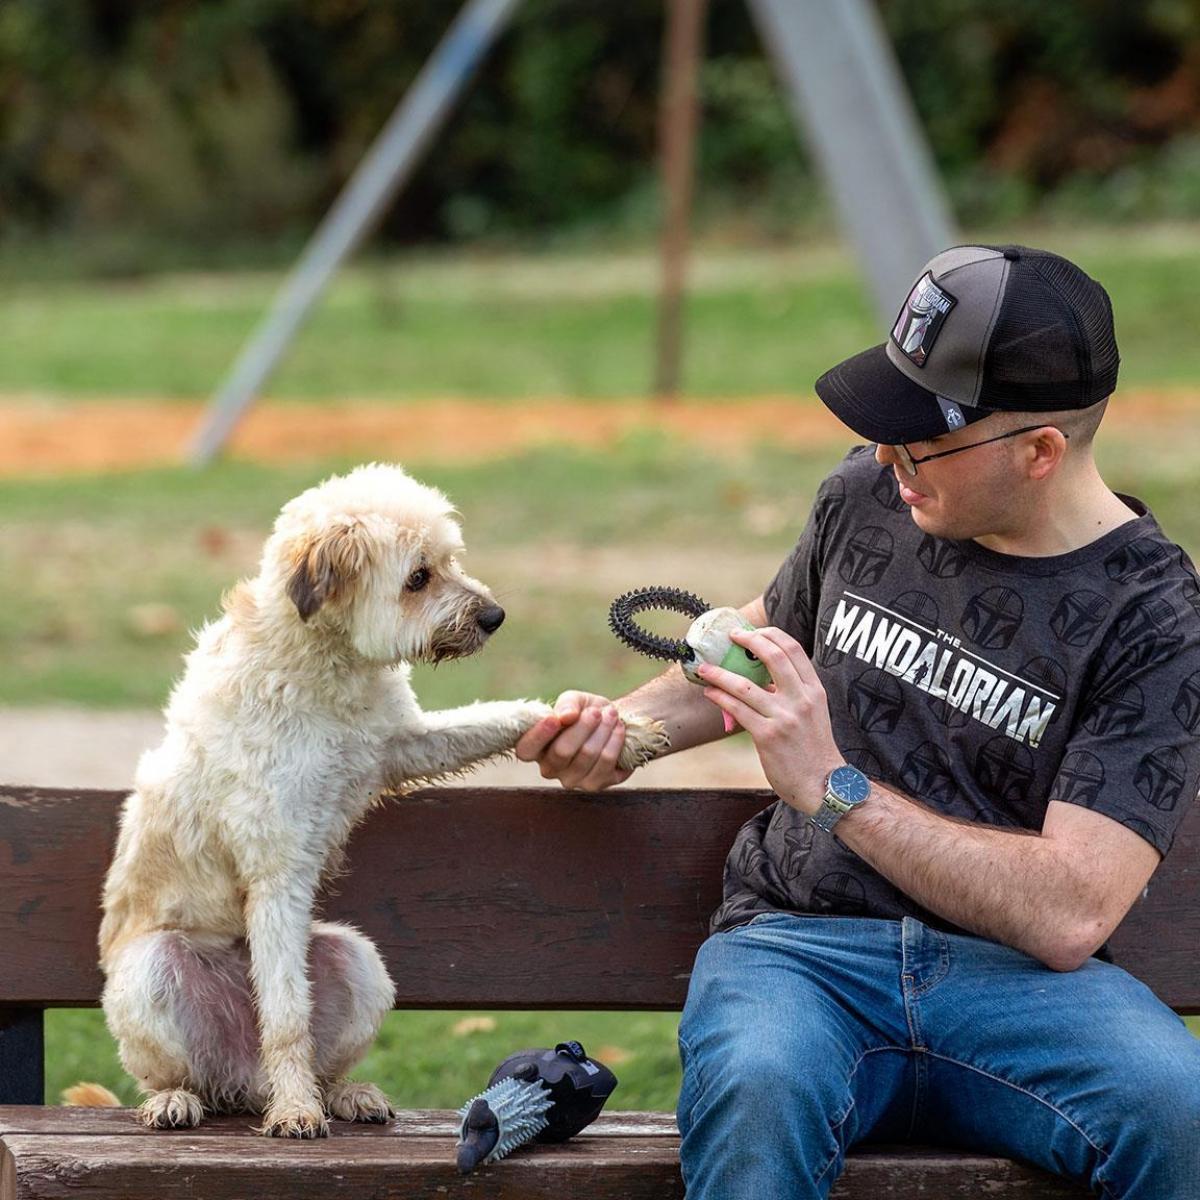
(911, 464)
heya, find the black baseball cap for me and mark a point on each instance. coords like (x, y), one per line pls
(984, 329)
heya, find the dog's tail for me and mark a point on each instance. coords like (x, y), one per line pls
(90, 1095)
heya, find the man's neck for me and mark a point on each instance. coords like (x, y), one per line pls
(1079, 512)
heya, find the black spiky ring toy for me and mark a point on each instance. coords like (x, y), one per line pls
(707, 641)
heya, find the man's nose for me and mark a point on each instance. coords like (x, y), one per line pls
(885, 455)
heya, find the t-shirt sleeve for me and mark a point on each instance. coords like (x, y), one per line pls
(1135, 754)
(793, 597)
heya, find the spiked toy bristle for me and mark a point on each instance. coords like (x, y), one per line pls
(622, 610)
(519, 1109)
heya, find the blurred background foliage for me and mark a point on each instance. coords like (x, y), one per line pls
(225, 127)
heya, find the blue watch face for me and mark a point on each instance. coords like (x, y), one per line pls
(849, 784)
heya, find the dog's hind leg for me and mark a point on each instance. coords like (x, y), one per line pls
(351, 995)
(181, 1011)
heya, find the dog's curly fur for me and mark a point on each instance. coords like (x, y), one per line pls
(294, 715)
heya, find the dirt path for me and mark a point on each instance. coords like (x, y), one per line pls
(71, 747)
(42, 436)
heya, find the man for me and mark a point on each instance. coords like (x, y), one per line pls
(983, 731)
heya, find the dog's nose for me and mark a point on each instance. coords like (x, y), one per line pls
(491, 618)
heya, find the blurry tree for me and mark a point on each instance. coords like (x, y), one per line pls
(218, 121)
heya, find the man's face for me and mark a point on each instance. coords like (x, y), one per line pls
(966, 495)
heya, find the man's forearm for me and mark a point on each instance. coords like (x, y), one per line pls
(1015, 887)
(689, 718)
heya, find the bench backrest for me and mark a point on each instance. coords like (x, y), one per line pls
(498, 898)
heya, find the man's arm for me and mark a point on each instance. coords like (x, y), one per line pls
(1056, 895)
(580, 743)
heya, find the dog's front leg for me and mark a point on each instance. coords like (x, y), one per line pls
(453, 739)
(278, 912)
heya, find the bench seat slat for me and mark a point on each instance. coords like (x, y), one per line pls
(47, 1154)
(417, 1122)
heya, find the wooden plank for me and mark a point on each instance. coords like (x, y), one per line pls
(43, 1168)
(22, 1056)
(453, 886)
(418, 1122)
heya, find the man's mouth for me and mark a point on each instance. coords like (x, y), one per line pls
(910, 495)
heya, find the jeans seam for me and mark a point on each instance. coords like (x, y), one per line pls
(943, 969)
(837, 1125)
(1058, 1112)
(693, 1064)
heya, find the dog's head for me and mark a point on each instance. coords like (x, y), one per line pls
(372, 557)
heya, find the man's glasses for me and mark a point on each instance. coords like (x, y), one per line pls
(910, 464)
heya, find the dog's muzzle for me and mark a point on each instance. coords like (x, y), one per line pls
(468, 634)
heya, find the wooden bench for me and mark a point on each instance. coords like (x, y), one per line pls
(450, 885)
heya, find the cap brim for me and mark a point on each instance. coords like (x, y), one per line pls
(881, 403)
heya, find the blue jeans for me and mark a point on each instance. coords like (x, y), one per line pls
(804, 1035)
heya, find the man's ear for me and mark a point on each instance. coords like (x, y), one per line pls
(327, 567)
(1048, 446)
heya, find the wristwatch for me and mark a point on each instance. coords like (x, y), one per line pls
(846, 788)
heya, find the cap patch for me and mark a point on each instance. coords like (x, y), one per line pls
(952, 413)
(921, 319)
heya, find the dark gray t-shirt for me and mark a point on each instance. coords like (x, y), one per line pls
(983, 684)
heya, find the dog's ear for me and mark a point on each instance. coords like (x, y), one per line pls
(327, 567)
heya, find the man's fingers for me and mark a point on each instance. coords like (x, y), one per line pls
(533, 741)
(560, 755)
(775, 653)
(570, 705)
(572, 757)
(604, 772)
(732, 684)
(785, 645)
(750, 719)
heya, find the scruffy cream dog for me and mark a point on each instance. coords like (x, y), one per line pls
(295, 713)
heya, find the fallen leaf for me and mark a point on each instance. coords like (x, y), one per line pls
(612, 1056)
(154, 620)
(469, 1025)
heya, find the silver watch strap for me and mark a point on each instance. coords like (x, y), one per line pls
(826, 817)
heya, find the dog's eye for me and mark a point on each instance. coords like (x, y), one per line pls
(417, 580)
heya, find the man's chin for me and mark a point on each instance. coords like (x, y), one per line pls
(927, 522)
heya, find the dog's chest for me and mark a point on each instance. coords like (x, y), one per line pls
(325, 776)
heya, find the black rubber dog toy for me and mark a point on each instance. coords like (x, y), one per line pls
(542, 1095)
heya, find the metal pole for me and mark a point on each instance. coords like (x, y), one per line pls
(849, 99)
(378, 178)
(678, 119)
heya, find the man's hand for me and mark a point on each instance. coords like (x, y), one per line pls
(789, 721)
(578, 744)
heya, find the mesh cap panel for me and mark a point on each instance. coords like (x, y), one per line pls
(1052, 345)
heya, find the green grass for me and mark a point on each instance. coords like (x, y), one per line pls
(556, 533)
(419, 1059)
(758, 321)
(421, 1062)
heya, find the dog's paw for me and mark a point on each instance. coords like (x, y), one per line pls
(348, 1101)
(645, 739)
(173, 1108)
(304, 1120)
(531, 712)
